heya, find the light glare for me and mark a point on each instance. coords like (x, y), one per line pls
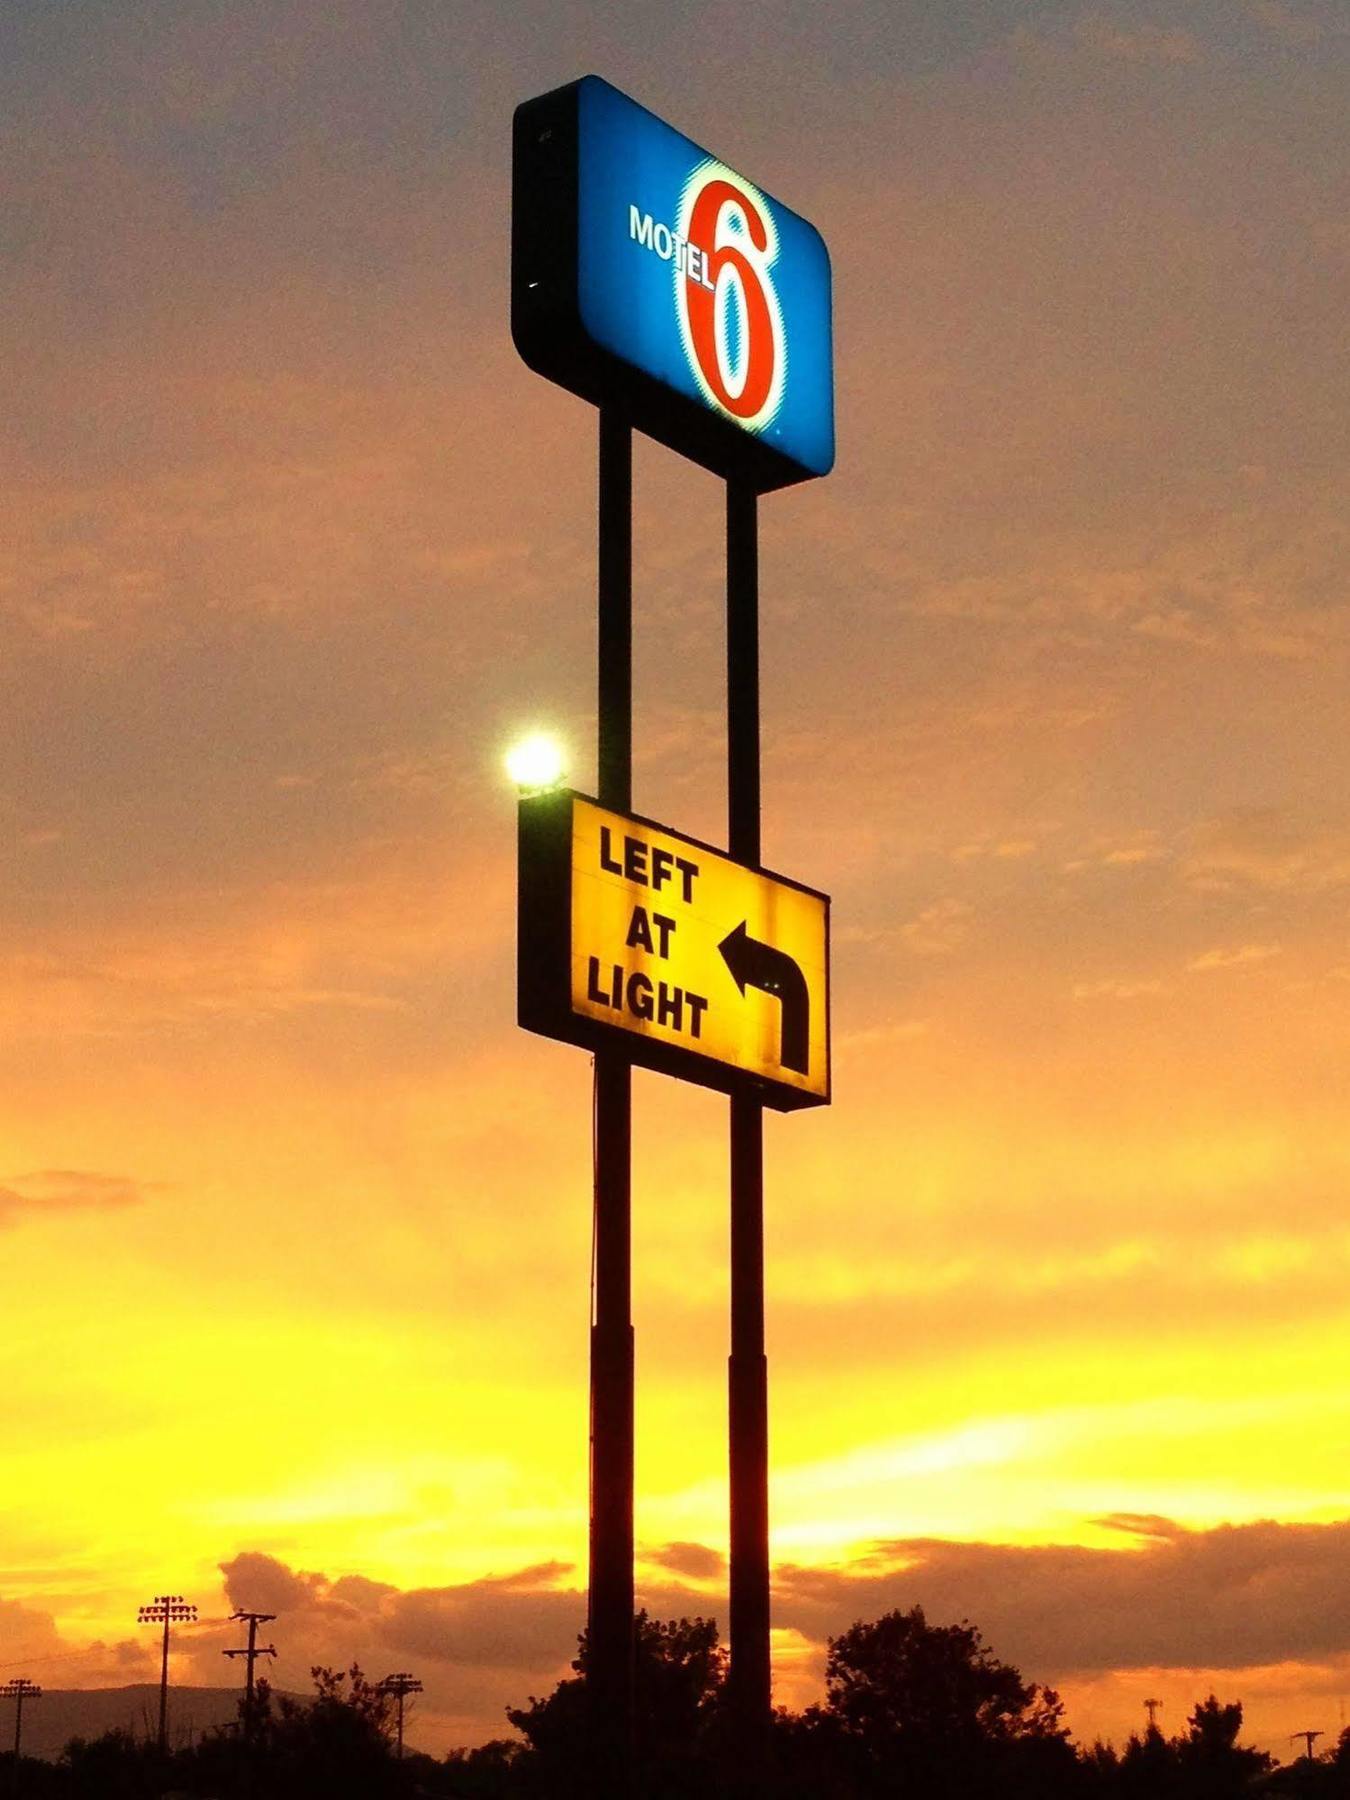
(536, 762)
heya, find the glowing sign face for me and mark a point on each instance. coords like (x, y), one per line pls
(678, 286)
(731, 324)
(633, 934)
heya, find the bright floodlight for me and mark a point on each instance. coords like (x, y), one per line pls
(536, 762)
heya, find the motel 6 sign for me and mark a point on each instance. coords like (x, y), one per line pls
(646, 272)
(635, 936)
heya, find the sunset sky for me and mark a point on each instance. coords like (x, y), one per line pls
(295, 1222)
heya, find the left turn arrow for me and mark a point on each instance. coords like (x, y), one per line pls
(759, 965)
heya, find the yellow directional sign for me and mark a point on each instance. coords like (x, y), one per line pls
(634, 934)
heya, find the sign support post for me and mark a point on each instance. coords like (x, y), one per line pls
(747, 1376)
(658, 284)
(610, 1610)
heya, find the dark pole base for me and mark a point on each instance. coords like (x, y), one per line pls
(609, 1662)
(749, 1676)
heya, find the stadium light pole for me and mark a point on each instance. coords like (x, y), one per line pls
(19, 1690)
(400, 1685)
(166, 1609)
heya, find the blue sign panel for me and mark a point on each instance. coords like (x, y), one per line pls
(697, 277)
(645, 267)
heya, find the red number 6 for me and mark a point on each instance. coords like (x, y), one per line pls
(744, 390)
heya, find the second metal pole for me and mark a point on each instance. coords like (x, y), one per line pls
(747, 1380)
(610, 1611)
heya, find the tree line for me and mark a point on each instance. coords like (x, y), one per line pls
(912, 1711)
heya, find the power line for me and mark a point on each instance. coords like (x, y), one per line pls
(400, 1685)
(32, 1661)
(166, 1609)
(65, 1656)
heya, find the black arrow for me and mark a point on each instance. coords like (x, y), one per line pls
(758, 965)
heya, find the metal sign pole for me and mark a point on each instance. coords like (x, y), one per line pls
(594, 308)
(747, 1381)
(610, 1611)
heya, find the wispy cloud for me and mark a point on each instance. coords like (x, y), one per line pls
(1234, 958)
(1292, 25)
(1272, 849)
(698, 1562)
(1117, 990)
(1135, 42)
(940, 929)
(48, 1191)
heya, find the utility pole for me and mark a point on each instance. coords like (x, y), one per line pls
(18, 1691)
(1152, 1708)
(400, 1684)
(1309, 1738)
(166, 1609)
(251, 1653)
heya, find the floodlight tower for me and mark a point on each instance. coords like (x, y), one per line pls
(1151, 1707)
(400, 1685)
(18, 1691)
(166, 1609)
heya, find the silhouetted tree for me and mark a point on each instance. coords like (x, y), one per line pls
(1212, 1764)
(31, 1778)
(679, 1671)
(815, 1757)
(931, 1709)
(1325, 1777)
(1149, 1767)
(490, 1772)
(333, 1747)
(1206, 1763)
(1101, 1759)
(1099, 1771)
(115, 1766)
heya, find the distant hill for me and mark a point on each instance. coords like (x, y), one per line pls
(64, 1713)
